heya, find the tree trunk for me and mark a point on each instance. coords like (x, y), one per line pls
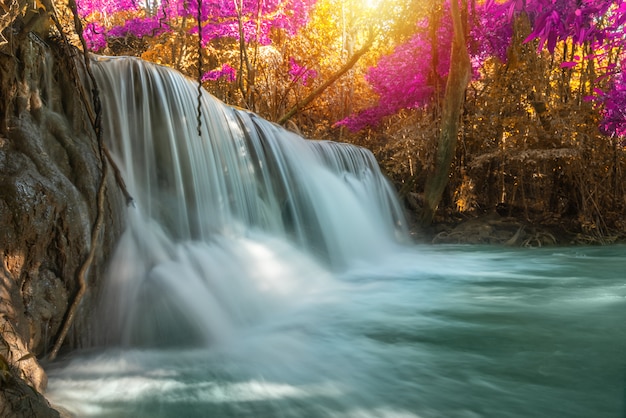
(459, 77)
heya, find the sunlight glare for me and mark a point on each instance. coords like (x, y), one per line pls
(371, 4)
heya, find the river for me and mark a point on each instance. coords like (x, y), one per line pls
(446, 331)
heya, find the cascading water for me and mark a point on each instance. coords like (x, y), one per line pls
(261, 276)
(229, 219)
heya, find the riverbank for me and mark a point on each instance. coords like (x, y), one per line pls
(496, 229)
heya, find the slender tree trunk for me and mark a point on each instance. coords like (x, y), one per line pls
(459, 77)
(245, 82)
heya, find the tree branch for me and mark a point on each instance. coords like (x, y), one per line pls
(318, 91)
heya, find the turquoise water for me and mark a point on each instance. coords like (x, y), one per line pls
(448, 331)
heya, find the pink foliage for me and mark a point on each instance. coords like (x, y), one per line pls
(226, 72)
(140, 27)
(559, 20)
(219, 18)
(490, 32)
(404, 79)
(94, 36)
(614, 105)
(104, 7)
(300, 73)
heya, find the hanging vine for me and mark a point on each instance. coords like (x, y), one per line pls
(95, 117)
(199, 17)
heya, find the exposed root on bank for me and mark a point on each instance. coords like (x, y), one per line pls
(95, 116)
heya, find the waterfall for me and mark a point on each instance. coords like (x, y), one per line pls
(231, 224)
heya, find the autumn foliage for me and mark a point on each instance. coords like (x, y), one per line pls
(543, 127)
(543, 131)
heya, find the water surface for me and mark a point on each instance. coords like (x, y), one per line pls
(447, 331)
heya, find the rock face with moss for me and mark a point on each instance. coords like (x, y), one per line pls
(49, 176)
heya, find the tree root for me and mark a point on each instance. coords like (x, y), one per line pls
(539, 239)
(95, 119)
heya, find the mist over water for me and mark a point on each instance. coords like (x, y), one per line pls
(262, 275)
(435, 332)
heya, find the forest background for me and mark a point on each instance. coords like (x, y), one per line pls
(512, 112)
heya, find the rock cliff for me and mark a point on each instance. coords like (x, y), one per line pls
(49, 175)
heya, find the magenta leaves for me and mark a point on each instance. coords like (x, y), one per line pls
(300, 73)
(104, 7)
(402, 81)
(226, 72)
(613, 121)
(405, 78)
(220, 19)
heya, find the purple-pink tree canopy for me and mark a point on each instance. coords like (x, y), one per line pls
(220, 19)
(402, 81)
